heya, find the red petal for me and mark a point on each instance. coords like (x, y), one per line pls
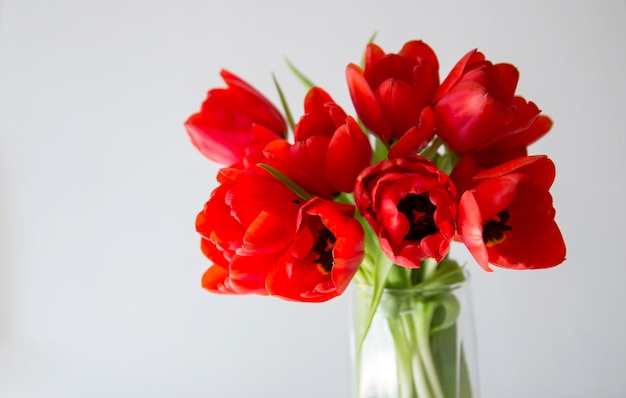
(216, 144)
(315, 100)
(215, 279)
(313, 124)
(373, 54)
(365, 102)
(399, 105)
(419, 50)
(470, 226)
(539, 169)
(466, 116)
(248, 273)
(524, 138)
(268, 233)
(504, 87)
(349, 152)
(255, 104)
(457, 71)
(416, 138)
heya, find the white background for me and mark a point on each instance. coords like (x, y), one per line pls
(99, 187)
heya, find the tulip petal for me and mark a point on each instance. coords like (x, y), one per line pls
(349, 152)
(466, 117)
(416, 138)
(393, 97)
(365, 103)
(260, 109)
(373, 54)
(457, 72)
(504, 88)
(216, 280)
(470, 227)
(248, 273)
(417, 49)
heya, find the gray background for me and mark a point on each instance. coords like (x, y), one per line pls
(99, 188)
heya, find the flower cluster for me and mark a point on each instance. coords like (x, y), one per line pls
(426, 163)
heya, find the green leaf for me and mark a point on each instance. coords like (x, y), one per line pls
(443, 346)
(382, 268)
(428, 269)
(431, 151)
(308, 84)
(447, 312)
(447, 161)
(345, 197)
(399, 278)
(448, 272)
(372, 37)
(295, 188)
(380, 150)
(465, 379)
(284, 102)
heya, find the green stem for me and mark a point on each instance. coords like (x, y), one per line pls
(406, 387)
(430, 152)
(420, 380)
(381, 150)
(399, 278)
(428, 269)
(416, 371)
(423, 316)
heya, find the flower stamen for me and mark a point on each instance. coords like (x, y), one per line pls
(324, 249)
(494, 229)
(419, 211)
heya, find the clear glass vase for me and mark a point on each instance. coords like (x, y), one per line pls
(420, 344)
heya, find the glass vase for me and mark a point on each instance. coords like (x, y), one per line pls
(419, 344)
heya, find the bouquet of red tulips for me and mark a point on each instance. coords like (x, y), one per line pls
(304, 208)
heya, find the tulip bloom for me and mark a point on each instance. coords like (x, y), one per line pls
(330, 148)
(246, 227)
(475, 106)
(392, 91)
(327, 250)
(234, 122)
(411, 205)
(506, 218)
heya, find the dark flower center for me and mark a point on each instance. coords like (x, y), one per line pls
(494, 229)
(420, 211)
(324, 249)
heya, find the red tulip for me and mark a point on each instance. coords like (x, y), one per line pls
(506, 217)
(475, 106)
(330, 148)
(234, 122)
(411, 205)
(327, 250)
(391, 91)
(246, 226)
